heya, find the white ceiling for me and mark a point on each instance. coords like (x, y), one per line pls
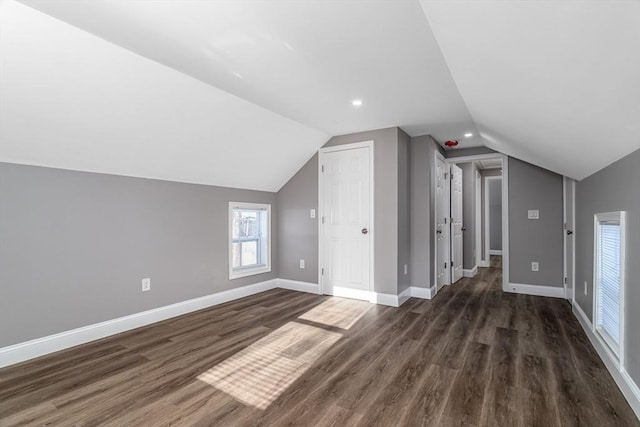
(555, 83)
(258, 86)
(74, 101)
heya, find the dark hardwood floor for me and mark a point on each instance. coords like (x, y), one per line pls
(471, 356)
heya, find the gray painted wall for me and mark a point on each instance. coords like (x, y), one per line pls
(495, 214)
(469, 214)
(386, 207)
(422, 153)
(420, 215)
(614, 188)
(76, 245)
(298, 236)
(531, 187)
(404, 220)
(471, 151)
(385, 159)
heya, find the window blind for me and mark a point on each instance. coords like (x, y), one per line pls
(609, 277)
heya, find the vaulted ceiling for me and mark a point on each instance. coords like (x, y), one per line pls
(241, 93)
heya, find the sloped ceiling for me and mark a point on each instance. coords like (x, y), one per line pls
(71, 100)
(554, 83)
(241, 93)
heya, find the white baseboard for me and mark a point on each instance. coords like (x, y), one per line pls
(39, 347)
(495, 252)
(352, 293)
(295, 285)
(404, 296)
(385, 299)
(21, 352)
(625, 383)
(470, 273)
(484, 264)
(423, 293)
(543, 291)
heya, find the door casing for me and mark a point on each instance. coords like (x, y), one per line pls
(321, 212)
(505, 213)
(569, 243)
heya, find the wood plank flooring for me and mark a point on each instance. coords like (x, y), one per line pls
(472, 356)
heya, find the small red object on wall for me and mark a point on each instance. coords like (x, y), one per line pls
(451, 143)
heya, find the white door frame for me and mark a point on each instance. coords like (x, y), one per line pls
(447, 240)
(321, 213)
(487, 219)
(452, 278)
(478, 214)
(505, 206)
(567, 182)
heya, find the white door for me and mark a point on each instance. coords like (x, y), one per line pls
(442, 225)
(346, 226)
(456, 223)
(569, 246)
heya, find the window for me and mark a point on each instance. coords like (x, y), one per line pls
(249, 239)
(609, 280)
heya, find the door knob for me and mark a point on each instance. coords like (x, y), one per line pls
(365, 231)
(439, 231)
(464, 229)
(569, 232)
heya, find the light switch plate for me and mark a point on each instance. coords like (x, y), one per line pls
(533, 214)
(301, 263)
(312, 213)
(146, 284)
(535, 266)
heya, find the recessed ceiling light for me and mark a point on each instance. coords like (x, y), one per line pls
(356, 102)
(468, 135)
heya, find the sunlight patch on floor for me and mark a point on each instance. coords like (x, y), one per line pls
(261, 372)
(338, 312)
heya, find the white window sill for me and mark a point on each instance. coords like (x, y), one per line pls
(245, 272)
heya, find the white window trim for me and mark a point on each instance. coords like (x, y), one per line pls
(249, 271)
(602, 336)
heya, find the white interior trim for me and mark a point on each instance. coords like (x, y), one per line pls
(259, 269)
(386, 299)
(423, 293)
(447, 241)
(364, 144)
(40, 346)
(404, 296)
(27, 350)
(619, 217)
(625, 383)
(538, 290)
(471, 272)
(495, 252)
(295, 285)
(478, 215)
(569, 184)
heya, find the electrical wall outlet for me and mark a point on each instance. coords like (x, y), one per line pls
(585, 287)
(535, 266)
(312, 213)
(301, 263)
(533, 214)
(406, 269)
(146, 284)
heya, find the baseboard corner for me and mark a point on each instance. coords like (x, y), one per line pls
(536, 290)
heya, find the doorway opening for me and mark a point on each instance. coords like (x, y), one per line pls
(346, 219)
(471, 217)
